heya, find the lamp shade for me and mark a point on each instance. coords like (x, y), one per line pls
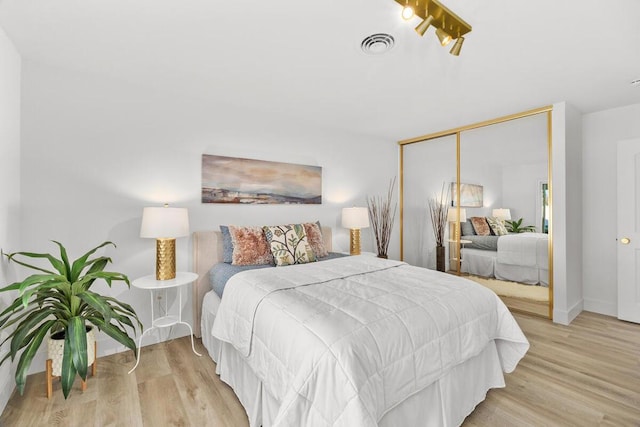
(452, 215)
(502, 214)
(355, 218)
(164, 223)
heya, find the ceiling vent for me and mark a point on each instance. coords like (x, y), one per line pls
(377, 44)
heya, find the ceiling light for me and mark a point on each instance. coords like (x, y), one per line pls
(435, 14)
(455, 50)
(408, 13)
(424, 25)
(443, 36)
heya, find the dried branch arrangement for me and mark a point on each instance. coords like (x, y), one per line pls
(382, 217)
(438, 207)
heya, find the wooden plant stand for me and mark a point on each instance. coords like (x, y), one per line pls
(50, 377)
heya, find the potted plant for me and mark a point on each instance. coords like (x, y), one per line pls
(517, 227)
(59, 300)
(382, 218)
(438, 206)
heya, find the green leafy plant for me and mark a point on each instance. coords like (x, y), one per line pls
(60, 299)
(517, 227)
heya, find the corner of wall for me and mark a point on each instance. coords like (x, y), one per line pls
(567, 204)
(565, 317)
(10, 197)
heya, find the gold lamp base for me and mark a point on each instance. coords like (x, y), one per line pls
(165, 259)
(354, 246)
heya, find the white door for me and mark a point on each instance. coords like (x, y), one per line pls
(629, 230)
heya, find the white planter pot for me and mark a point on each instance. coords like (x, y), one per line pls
(55, 351)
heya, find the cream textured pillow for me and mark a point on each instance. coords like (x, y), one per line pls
(314, 237)
(289, 244)
(250, 247)
(497, 226)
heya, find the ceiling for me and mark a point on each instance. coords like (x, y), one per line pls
(303, 60)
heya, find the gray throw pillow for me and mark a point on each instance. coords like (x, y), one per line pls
(467, 229)
(227, 244)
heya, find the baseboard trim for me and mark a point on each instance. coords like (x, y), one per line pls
(5, 394)
(566, 317)
(601, 307)
(108, 346)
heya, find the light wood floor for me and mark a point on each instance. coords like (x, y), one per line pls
(523, 305)
(586, 374)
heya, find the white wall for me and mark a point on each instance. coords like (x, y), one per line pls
(96, 151)
(427, 166)
(566, 214)
(507, 159)
(521, 192)
(10, 180)
(601, 132)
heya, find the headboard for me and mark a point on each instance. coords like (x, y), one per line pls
(207, 251)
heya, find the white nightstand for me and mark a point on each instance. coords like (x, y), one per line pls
(150, 283)
(453, 249)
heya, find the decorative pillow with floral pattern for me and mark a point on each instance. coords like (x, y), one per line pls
(250, 247)
(497, 226)
(289, 244)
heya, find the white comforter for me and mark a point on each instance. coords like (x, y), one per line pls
(341, 342)
(524, 249)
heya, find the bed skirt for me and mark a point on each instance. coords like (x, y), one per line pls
(445, 403)
(484, 264)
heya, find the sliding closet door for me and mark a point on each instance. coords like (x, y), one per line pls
(428, 169)
(505, 166)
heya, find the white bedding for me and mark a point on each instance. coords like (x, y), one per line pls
(342, 342)
(524, 249)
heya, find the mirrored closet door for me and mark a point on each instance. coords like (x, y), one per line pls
(494, 179)
(427, 174)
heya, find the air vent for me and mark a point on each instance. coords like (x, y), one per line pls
(634, 83)
(377, 44)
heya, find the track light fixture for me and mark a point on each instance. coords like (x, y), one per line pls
(424, 25)
(455, 50)
(435, 14)
(407, 11)
(443, 36)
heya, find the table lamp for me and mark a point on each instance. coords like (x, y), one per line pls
(452, 217)
(165, 224)
(355, 219)
(502, 214)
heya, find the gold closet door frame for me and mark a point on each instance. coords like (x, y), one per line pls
(458, 133)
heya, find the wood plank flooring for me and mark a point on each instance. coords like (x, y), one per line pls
(586, 374)
(522, 305)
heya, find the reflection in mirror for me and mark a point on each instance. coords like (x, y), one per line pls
(507, 247)
(543, 209)
(427, 167)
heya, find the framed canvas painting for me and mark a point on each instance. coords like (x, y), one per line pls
(470, 195)
(249, 181)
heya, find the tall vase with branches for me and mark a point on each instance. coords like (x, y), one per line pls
(382, 216)
(438, 206)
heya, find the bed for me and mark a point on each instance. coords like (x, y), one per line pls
(292, 362)
(522, 257)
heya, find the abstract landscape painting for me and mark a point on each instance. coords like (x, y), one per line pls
(248, 181)
(470, 195)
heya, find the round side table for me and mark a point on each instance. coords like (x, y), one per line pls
(153, 286)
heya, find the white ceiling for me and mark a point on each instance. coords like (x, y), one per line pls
(302, 59)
